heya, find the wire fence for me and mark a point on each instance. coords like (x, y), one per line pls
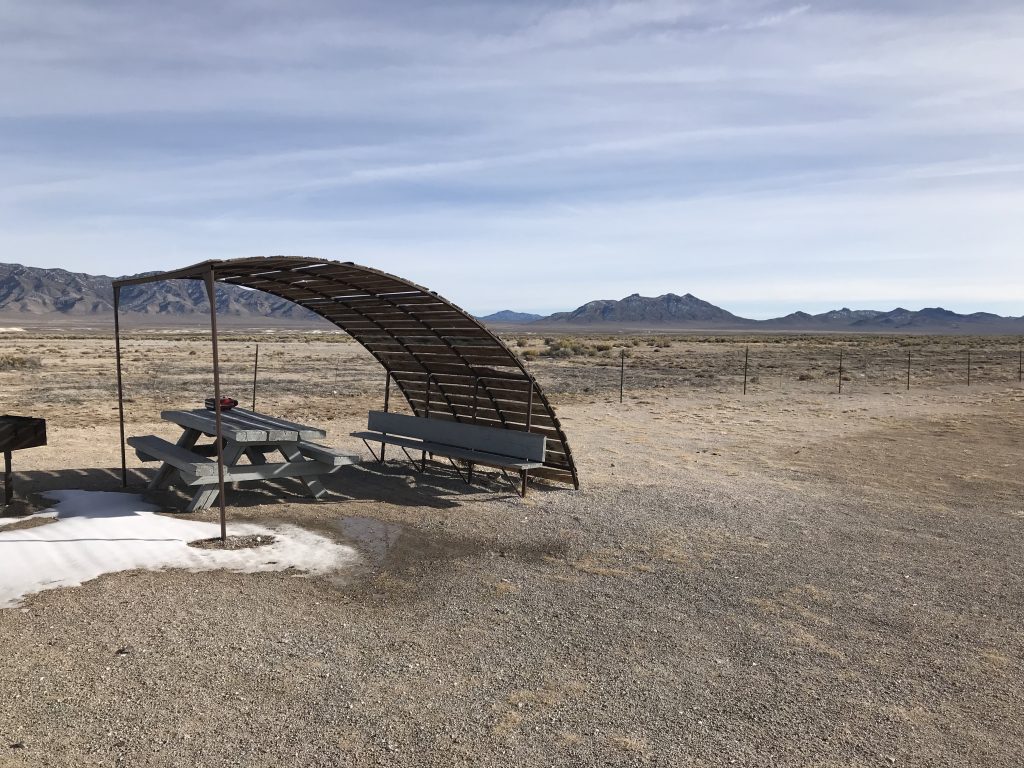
(758, 368)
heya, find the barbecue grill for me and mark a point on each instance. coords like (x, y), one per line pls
(16, 433)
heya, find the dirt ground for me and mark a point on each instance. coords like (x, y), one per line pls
(788, 577)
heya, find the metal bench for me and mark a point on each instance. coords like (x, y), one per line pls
(471, 443)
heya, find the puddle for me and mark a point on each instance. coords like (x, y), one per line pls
(375, 538)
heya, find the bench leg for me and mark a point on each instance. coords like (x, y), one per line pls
(470, 473)
(205, 497)
(313, 485)
(163, 476)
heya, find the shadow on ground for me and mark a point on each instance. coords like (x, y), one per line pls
(394, 483)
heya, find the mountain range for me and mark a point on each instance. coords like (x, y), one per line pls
(53, 295)
(671, 311)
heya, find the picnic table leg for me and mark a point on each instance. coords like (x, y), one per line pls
(524, 484)
(291, 452)
(163, 475)
(255, 456)
(205, 496)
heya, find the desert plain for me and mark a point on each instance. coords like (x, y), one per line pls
(792, 576)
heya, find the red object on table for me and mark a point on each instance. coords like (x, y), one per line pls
(226, 403)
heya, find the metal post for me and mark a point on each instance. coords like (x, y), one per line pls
(908, 371)
(529, 423)
(476, 394)
(387, 400)
(211, 292)
(255, 369)
(120, 388)
(622, 374)
(8, 479)
(1020, 365)
(529, 405)
(426, 415)
(968, 367)
(840, 370)
(746, 359)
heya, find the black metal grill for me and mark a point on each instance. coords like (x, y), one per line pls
(16, 433)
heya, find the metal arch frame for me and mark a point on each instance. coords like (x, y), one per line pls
(536, 390)
(249, 272)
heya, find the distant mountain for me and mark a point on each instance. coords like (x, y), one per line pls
(836, 318)
(934, 317)
(56, 292)
(668, 310)
(688, 312)
(51, 294)
(510, 317)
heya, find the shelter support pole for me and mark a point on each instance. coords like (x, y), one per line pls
(387, 402)
(476, 395)
(120, 388)
(211, 292)
(529, 424)
(8, 479)
(426, 415)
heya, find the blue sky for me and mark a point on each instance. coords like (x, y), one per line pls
(765, 156)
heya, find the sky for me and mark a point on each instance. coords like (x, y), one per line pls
(764, 156)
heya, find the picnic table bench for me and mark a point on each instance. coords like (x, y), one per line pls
(247, 434)
(472, 443)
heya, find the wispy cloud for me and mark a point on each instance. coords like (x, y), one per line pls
(826, 152)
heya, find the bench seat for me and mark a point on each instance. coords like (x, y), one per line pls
(451, 451)
(153, 448)
(516, 449)
(325, 454)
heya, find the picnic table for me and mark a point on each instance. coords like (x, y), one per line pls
(247, 435)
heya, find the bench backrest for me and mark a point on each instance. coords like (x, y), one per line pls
(504, 442)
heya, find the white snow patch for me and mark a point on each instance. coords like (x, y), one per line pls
(98, 533)
(11, 329)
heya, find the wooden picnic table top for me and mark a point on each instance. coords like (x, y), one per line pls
(242, 426)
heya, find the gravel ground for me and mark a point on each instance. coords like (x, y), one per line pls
(807, 581)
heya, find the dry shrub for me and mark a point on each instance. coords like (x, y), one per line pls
(11, 362)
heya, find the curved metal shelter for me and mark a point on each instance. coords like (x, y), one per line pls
(443, 360)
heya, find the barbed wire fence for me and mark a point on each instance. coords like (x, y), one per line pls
(843, 368)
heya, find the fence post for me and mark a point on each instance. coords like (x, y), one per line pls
(908, 371)
(1020, 363)
(746, 360)
(622, 373)
(968, 367)
(840, 370)
(255, 370)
